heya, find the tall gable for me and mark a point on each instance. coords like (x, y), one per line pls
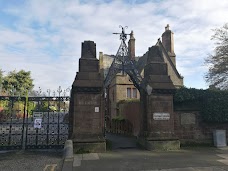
(172, 70)
(160, 54)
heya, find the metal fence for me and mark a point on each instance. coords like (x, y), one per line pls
(18, 117)
(124, 127)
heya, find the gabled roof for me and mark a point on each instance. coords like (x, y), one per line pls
(142, 61)
(159, 43)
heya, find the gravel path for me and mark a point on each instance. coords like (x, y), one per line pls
(30, 160)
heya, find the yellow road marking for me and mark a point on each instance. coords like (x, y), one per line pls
(50, 167)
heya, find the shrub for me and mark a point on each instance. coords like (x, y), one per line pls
(213, 103)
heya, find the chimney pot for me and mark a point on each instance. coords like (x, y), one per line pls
(131, 46)
(168, 43)
(167, 27)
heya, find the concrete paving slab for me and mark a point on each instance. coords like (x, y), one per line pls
(223, 148)
(67, 165)
(176, 169)
(225, 156)
(76, 163)
(224, 161)
(191, 169)
(90, 156)
(125, 156)
(77, 160)
(200, 159)
(208, 169)
(78, 156)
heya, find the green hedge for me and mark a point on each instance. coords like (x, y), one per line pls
(125, 101)
(213, 103)
(119, 116)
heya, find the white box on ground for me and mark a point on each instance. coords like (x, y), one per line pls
(219, 138)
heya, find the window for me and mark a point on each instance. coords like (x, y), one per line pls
(131, 93)
(128, 92)
(134, 93)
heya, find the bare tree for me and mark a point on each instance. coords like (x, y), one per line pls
(217, 75)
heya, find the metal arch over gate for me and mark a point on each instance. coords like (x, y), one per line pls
(123, 63)
(17, 122)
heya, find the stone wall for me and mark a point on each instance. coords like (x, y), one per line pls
(190, 128)
(188, 124)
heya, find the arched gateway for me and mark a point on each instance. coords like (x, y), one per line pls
(156, 96)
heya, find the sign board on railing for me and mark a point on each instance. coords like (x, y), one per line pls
(37, 115)
(37, 123)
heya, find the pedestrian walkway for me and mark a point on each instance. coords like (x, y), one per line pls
(79, 157)
(191, 169)
(121, 141)
(191, 159)
(125, 156)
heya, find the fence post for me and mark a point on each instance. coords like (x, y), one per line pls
(24, 126)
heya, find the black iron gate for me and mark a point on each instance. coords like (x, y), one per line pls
(18, 117)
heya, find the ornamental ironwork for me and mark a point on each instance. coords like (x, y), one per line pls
(18, 116)
(123, 63)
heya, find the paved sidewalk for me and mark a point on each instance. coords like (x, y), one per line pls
(191, 159)
(121, 141)
(125, 156)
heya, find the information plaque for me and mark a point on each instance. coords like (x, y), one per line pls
(161, 116)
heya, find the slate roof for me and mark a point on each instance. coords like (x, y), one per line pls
(142, 61)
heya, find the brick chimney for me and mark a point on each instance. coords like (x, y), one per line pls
(88, 49)
(131, 46)
(168, 43)
(88, 61)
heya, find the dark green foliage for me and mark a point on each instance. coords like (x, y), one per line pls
(213, 103)
(45, 106)
(215, 106)
(30, 107)
(127, 101)
(18, 83)
(191, 94)
(1, 80)
(1, 76)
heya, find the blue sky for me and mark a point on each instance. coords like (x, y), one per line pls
(45, 37)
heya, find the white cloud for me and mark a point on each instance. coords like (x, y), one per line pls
(47, 35)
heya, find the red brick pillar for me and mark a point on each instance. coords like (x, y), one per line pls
(157, 130)
(87, 103)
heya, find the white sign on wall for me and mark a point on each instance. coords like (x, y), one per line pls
(161, 116)
(37, 123)
(96, 109)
